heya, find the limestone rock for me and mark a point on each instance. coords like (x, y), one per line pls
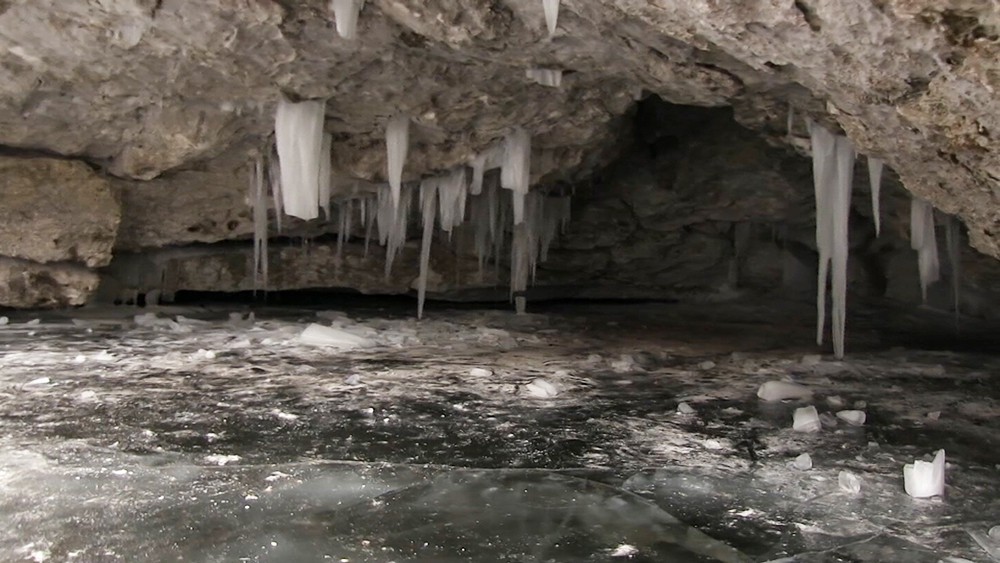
(25, 284)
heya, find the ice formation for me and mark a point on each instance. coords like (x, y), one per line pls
(346, 13)
(852, 417)
(806, 419)
(319, 335)
(849, 482)
(782, 390)
(803, 462)
(258, 198)
(551, 8)
(924, 241)
(515, 174)
(833, 172)
(325, 172)
(298, 131)
(428, 204)
(545, 76)
(397, 144)
(875, 166)
(923, 479)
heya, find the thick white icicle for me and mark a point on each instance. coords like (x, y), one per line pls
(429, 189)
(397, 144)
(551, 8)
(545, 76)
(325, 166)
(515, 174)
(298, 131)
(924, 241)
(875, 166)
(824, 146)
(346, 13)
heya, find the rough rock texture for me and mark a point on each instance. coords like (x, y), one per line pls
(56, 210)
(25, 284)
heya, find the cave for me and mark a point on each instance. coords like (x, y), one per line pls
(500, 280)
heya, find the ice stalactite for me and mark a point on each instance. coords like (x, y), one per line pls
(274, 178)
(924, 240)
(833, 173)
(397, 144)
(515, 173)
(346, 13)
(953, 240)
(488, 159)
(545, 76)
(346, 211)
(452, 192)
(429, 189)
(258, 197)
(325, 170)
(369, 220)
(875, 166)
(551, 8)
(298, 129)
(395, 219)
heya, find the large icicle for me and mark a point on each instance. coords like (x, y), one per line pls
(274, 178)
(396, 236)
(325, 166)
(428, 190)
(833, 173)
(346, 13)
(875, 166)
(397, 144)
(298, 131)
(515, 174)
(451, 196)
(258, 196)
(551, 8)
(545, 76)
(924, 241)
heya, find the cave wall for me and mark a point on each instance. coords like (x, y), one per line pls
(146, 112)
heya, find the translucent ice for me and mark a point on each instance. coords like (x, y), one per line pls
(515, 174)
(397, 144)
(806, 419)
(803, 462)
(924, 241)
(875, 179)
(551, 8)
(319, 335)
(852, 417)
(541, 388)
(849, 482)
(923, 479)
(298, 132)
(685, 409)
(346, 13)
(782, 390)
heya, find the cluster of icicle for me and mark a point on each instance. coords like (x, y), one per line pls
(833, 174)
(299, 175)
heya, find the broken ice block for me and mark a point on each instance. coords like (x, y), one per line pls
(684, 408)
(854, 418)
(804, 462)
(541, 389)
(806, 419)
(319, 335)
(849, 482)
(781, 390)
(923, 479)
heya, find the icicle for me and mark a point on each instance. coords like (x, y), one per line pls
(397, 144)
(325, 165)
(519, 267)
(924, 241)
(875, 179)
(545, 76)
(429, 188)
(346, 13)
(274, 179)
(397, 233)
(342, 211)
(451, 197)
(515, 174)
(833, 174)
(953, 238)
(551, 8)
(298, 129)
(369, 226)
(258, 195)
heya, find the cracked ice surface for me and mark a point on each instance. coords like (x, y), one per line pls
(210, 436)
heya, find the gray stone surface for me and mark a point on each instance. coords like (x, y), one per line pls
(25, 284)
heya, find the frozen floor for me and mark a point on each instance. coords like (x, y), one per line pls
(204, 435)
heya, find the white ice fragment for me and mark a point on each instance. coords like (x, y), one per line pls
(346, 13)
(38, 381)
(707, 364)
(541, 389)
(480, 372)
(849, 482)
(803, 462)
(397, 144)
(319, 335)
(87, 395)
(875, 179)
(625, 550)
(852, 417)
(298, 133)
(782, 390)
(551, 8)
(353, 379)
(934, 415)
(924, 241)
(545, 76)
(284, 415)
(923, 479)
(684, 408)
(4, 321)
(220, 460)
(835, 401)
(80, 359)
(713, 444)
(806, 419)
(34, 322)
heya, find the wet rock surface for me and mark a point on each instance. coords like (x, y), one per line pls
(216, 436)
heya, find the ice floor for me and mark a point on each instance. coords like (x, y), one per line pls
(200, 434)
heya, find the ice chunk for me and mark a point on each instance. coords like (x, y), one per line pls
(298, 132)
(541, 388)
(551, 8)
(707, 364)
(545, 76)
(624, 550)
(319, 335)
(684, 408)
(875, 180)
(480, 372)
(220, 459)
(782, 390)
(803, 462)
(854, 418)
(924, 241)
(34, 322)
(4, 321)
(835, 401)
(923, 479)
(806, 419)
(849, 482)
(346, 13)
(39, 381)
(397, 144)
